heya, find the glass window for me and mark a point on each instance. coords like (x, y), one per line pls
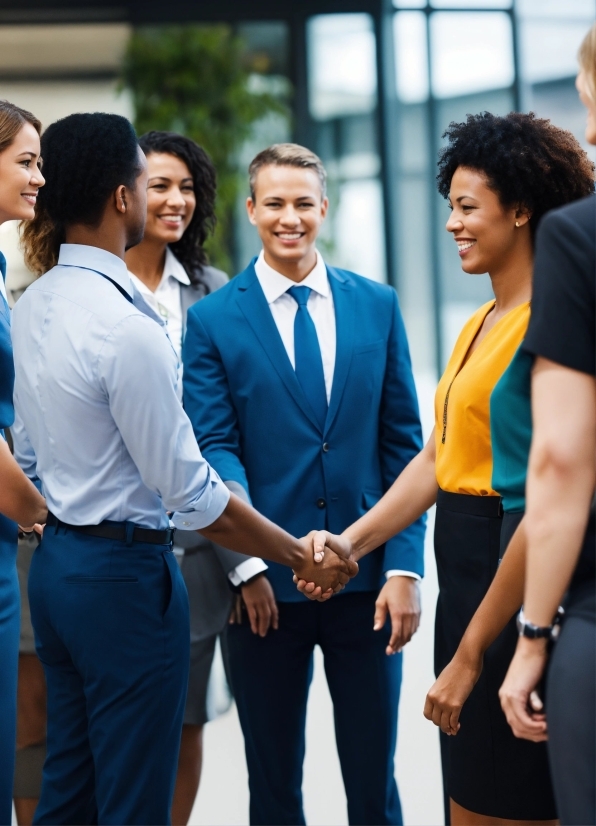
(342, 65)
(471, 4)
(471, 52)
(411, 59)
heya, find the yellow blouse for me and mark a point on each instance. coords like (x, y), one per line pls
(462, 410)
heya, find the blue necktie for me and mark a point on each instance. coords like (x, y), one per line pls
(307, 355)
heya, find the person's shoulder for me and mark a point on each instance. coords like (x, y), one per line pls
(217, 301)
(208, 277)
(579, 215)
(365, 286)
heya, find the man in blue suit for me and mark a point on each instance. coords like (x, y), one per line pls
(298, 383)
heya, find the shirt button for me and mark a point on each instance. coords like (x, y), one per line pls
(321, 503)
(325, 447)
(186, 523)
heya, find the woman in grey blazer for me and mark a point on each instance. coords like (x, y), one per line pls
(170, 269)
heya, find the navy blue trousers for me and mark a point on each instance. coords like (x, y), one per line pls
(112, 631)
(271, 677)
(10, 618)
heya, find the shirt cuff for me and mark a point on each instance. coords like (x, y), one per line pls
(389, 574)
(246, 570)
(194, 520)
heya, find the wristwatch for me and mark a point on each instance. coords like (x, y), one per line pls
(535, 632)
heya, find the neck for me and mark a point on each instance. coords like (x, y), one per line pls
(512, 282)
(106, 237)
(294, 270)
(147, 261)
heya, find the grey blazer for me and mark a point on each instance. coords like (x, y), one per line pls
(207, 575)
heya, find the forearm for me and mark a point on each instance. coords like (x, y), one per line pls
(561, 480)
(502, 600)
(557, 519)
(241, 528)
(410, 496)
(19, 498)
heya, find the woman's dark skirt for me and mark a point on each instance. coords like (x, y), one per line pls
(485, 768)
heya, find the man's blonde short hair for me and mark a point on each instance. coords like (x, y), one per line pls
(287, 154)
(587, 60)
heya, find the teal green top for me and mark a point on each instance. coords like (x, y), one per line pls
(511, 431)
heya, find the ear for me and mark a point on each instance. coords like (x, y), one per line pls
(250, 209)
(324, 207)
(522, 216)
(120, 199)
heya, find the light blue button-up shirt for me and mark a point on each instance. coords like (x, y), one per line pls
(99, 421)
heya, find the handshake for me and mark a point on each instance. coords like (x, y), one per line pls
(329, 565)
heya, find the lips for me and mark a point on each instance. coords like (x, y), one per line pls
(30, 197)
(464, 245)
(289, 236)
(173, 219)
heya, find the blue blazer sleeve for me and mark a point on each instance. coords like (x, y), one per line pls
(208, 403)
(400, 440)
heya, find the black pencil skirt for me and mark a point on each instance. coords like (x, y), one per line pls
(485, 768)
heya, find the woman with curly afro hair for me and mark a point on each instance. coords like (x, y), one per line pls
(500, 175)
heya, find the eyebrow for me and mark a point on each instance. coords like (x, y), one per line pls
(165, 178)
(27, 152)
(461, 197)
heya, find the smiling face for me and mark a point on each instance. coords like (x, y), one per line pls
(587, 98)
(20, 176)
(288, 211)
(484, 230)
(171, 199)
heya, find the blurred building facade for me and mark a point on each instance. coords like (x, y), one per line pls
(375, 84)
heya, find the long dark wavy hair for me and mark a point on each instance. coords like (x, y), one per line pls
(189, 249)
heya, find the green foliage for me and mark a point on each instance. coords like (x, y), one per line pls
(195, 80)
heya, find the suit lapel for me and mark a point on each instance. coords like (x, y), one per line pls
(343, 299)
(253, 304)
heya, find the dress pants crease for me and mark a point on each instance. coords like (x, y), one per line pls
(112, 631)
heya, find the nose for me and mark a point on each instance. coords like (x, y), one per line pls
(175, 198)
(454, 223)
(289, 217)
(38, 179)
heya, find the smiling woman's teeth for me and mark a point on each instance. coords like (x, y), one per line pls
(290, 236)
(465, 245)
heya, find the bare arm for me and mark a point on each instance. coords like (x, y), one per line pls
(560, 486)
(412, 494)
(453, 686)
(19, 498)
(241, 528)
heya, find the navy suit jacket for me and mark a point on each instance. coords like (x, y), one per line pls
(255, 426)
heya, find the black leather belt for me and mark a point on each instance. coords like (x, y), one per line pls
(120, 531)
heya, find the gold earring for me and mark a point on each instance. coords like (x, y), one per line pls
(517, 223)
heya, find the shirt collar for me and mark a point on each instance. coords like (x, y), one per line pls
(174, 268)
(99, 260)
(274, 284)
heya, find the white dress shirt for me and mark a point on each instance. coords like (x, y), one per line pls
(322, 311)
(165, 300)
(99, 420)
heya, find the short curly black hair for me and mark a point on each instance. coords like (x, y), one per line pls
(189, 249)
(85, 158)
(527, 161)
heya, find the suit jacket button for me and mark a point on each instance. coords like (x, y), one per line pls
(321, 503)
(325, 447)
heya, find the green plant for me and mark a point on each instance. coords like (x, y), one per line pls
(196, 80)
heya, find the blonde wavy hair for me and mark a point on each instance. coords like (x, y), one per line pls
(587, 60)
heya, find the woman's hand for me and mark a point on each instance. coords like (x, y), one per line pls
(325, 544)
(452, 688)
(519, 698)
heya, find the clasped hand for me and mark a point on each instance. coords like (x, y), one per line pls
(327, 566)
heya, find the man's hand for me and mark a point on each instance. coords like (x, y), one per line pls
(452, 688)
(400, 598)
(322, 543)
(519, 699)
(261, 606)
(327, 567)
